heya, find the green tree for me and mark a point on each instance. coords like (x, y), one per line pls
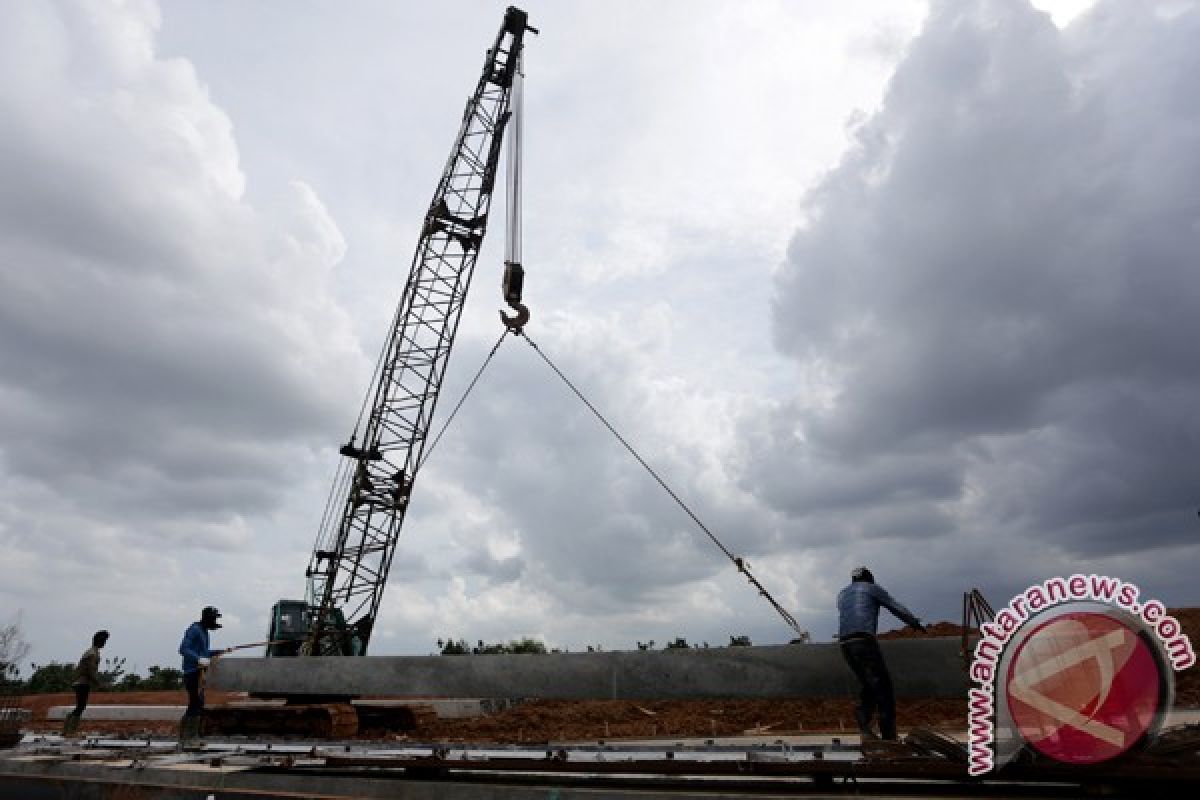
(450, 647)
(459, 647)
(129, 683)
(162, 679)
(52, 677)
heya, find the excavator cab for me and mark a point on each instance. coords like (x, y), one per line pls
(290, 623)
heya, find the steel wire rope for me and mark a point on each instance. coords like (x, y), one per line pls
(738, 561)
(377, 372)
(341, 479)
(340, 473)
(461, 400)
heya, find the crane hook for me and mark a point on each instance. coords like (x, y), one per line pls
(515, 322)
(514, 281)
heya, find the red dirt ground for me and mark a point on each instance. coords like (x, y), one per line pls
(39, 703)
(932, 629)
(546, 720)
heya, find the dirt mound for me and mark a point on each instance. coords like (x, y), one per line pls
(1187, 683)
(551, 720)
(931, 630)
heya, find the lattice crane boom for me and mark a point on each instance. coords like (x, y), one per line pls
(350, 563)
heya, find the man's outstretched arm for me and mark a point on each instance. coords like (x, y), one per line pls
(891, 604)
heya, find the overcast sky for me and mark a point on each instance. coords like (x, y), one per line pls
(903, 284)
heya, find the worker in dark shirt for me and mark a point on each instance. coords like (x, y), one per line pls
(858, 620)
(197, 655)
(87, 677)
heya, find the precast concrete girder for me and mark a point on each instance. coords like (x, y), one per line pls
(919, 667)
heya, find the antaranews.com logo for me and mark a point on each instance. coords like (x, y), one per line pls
(1077, 668)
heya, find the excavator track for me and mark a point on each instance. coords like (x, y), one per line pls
(323, 720)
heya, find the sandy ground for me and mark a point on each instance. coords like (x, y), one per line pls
(549, 720)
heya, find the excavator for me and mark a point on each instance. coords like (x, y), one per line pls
(365, 511)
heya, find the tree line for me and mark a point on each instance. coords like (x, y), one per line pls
(57, 677)
(449, 646)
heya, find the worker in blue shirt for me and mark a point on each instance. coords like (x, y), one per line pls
(858, 620)
(196, 654)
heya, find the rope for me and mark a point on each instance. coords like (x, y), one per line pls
(738, 561)
(342, 474)
(463, 399)
(337, 489)
(375, 375)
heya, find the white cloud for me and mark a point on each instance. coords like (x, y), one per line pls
(168, 351)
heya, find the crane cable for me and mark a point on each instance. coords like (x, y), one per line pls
(738, 561)
(341, 478)
(463, 399)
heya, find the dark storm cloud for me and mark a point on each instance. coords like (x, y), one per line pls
(800, 477)
(999, 283)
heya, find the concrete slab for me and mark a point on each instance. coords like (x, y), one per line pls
(107, 712)
(919, 667)
(116, 770)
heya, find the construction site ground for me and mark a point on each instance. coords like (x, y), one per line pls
(567, 720)
(559, 720)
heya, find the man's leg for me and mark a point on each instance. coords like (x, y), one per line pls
(191, 682)
(189, 725)
(72, 720)
(81, 698)
(880, 681)
(857, 659)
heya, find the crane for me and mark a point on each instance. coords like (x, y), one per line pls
(361, 526)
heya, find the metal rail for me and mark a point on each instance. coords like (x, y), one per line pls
(926, 765)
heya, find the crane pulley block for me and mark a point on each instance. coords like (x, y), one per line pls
(357, 453)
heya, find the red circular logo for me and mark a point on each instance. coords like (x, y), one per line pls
(1084, 687)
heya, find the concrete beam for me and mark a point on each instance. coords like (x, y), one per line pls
(10, 715)
(919, 667)
(114, 712)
